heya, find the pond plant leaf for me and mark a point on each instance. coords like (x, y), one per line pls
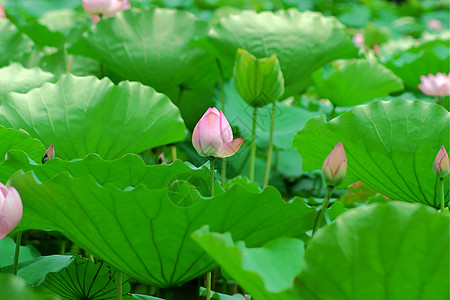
(302, 41)
(128, 214)
(82, 115)
(390, 146)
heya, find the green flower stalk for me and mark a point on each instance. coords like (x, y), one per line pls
(441, 169)
(334, 169)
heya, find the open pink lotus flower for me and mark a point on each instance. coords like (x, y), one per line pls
(441, 163)
(435, 85)
(99, 9)
(11, 209)
(334, 167)
(212, 135)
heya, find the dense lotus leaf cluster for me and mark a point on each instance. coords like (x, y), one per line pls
(329, 125)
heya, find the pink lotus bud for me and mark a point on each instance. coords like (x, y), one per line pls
(334, 167)
(434, 24)
(432, 85)
(212, 135)
(441, 163)
(104, 8)
(358, 40)
(11, 209)
(49, 154)
(2, 12)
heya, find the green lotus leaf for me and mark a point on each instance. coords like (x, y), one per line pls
(356, 81)
(13, 287)
(385, 250)
(84, 279)
(266, 272)
(431, 57)
(82, 115)
(136, 226)
(16, 78)
(13, 44)
(390, 146)
(20, 140)
(391, 250)
(7, 248)
(302, 42)
(34, 269)
(153, 47)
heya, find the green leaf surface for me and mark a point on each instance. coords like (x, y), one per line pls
(16, 78)
(220, 296)
(20, 140)
(431, 57)
(82, 115)
(140, 229)
(381, 251)
(13, 287)
(258, 81)
(13, 44)
(7, 248)
(84, 279)
(390, 146)
(266, 273)
(145, 297)
(153, 47)
(356, 81)
(35, 270)
(302, 41)
(391, 250)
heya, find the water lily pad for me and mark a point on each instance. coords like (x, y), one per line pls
(82, 115)
(136, 226)
(302, 41)
(390, 146)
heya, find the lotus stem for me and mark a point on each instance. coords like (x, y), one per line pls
(322, 209)
(253, 145)
(222, 101)
(17, 252)
(269, 151)
(118, 284)
(173, 148)
(208, 275)
(442, 195)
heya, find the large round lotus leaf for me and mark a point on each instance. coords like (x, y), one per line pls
(13, 43)
(82, 115)
(20, 140)
(390, 146)
(140, 229)
(302, 41)
(13, 287)
(382, 251)
(356, 81)
(16, 78)
(153, 47)
(431, 57)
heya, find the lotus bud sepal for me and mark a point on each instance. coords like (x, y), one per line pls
(334, 167)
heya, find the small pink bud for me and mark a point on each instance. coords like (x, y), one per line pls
(441, 163)
(434, 24)
(212, 135)
(11, 209)
(2, 12)
(435, 85)
(104, 8)
(49, 154)
(358, 40)
(334, 167)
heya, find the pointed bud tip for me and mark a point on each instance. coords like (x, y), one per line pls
(334, 167)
